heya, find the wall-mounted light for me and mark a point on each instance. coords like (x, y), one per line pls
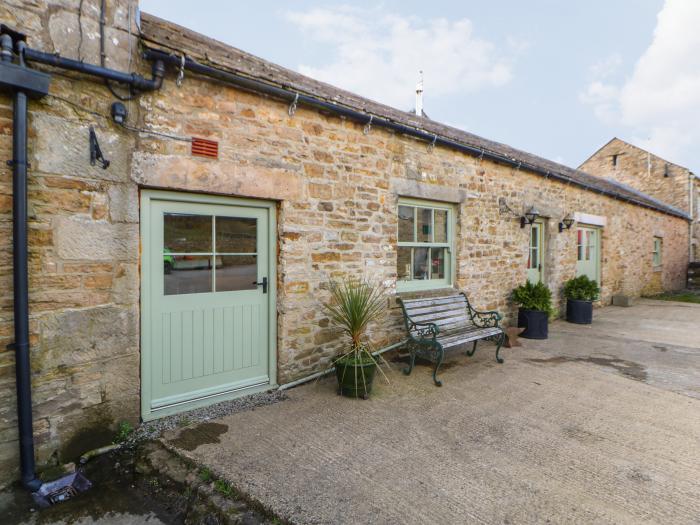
(566, 223)
(529, 217)
(119, 113)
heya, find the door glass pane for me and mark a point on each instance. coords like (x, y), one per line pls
(425, 225)
(437, 263)
(440, 225)
(187, 233)
(588, 245)
(579, 244)
(420, 263)
(406, 223)
(403, 266)
(236, 272)
(185, 274)
(236, 235)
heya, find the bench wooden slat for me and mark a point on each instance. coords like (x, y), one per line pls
(447, 307)
(410, 304)
(447, 314)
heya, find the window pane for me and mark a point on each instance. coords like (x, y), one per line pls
(534, 236)
(236, 272)
(403, 265)
(185, 233)
(406, 223)
(425, 225)
(588, 245)
(236, 235)
(534, 258)
(440, 225)
(438, 263)
(187, 274)
(420, 263)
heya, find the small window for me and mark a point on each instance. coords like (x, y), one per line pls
(614, 160)
(424, 251)
(658, 251)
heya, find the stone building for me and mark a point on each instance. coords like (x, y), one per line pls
(146, 292)
(668, 182)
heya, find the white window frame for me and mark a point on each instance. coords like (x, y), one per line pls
(428, 284)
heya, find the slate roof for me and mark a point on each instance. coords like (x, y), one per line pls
(161, 34)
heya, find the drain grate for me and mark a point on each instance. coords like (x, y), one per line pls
(61, 490)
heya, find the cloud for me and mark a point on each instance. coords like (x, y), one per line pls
(659, 104)
(378, 54)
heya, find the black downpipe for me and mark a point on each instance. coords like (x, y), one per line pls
(21, 278)
(289, 95)
(23, 82)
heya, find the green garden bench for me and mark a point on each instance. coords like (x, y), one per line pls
(439, 323)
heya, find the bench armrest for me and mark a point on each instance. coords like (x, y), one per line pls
(486, 319)
(430, 331)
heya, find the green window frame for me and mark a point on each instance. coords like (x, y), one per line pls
(425, 245)
(657, 254)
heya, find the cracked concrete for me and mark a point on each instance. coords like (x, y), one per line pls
(567, 430)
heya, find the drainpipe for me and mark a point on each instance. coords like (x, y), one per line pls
(20, 273)
(22, 82)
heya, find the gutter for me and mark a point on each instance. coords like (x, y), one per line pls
(22, 83)
(295, 98)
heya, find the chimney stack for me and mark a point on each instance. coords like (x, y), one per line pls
(419, 94)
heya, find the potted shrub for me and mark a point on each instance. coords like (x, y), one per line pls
(535, 301)
(354, 304)
(580, 293)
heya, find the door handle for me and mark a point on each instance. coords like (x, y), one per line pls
(263, 284)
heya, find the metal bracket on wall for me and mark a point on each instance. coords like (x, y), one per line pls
(95, 151)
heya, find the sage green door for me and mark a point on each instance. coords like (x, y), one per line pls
(535, 253)
(206, 301)
(588, 252)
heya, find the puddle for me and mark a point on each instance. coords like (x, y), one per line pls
(626, 368)
(202, 434)
(117, 496)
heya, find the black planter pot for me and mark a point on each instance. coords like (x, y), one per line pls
(536, 324)
(579, 312)
(354, 379)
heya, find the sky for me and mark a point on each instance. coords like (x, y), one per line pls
(552, 77)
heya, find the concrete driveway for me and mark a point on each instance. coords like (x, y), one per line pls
(552, 435)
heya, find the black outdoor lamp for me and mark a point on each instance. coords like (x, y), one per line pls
(529, 217)
(567, 222)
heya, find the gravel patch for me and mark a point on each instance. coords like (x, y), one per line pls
(154, 429)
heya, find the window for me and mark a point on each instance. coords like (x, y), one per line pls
(658, 251)
(205, 253)
(614, 160)
(425, 237)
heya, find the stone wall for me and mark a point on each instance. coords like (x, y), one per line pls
(83, 244)
(337, 191)
(649, 174)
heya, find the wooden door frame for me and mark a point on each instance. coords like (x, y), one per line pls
(146, 197)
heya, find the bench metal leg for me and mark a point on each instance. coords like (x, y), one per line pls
(473, 349)
(441, 356)
(412, 362)
(499, 343)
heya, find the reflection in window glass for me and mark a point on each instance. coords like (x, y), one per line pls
(187, 233)
(236, 235)
(579, 244)
(406, 222)
(424, 224)
(420, 263)
(440, 227)
(184, 274)
(437, 270)
(236, 272)
(404, 264)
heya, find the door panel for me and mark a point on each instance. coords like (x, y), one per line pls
(588, 253)
(206, 321)
(535, 253)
